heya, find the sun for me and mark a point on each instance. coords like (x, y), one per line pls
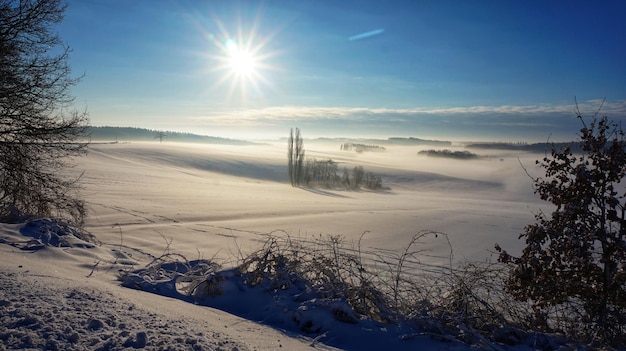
(241, 61)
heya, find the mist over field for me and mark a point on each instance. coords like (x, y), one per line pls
(211, 197)
(154, 196)
(220, 200)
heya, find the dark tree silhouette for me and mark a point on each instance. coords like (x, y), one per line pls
(345, 178)
(358, 173)
(295, 158)
(372, 181)
(161, 135)
(299, 158)
(38, 136)
(290, 158)
(320, 172)
(574, 263)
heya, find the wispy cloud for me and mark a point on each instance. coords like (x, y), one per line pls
(367, 34)
(279, 114)
(504, 122)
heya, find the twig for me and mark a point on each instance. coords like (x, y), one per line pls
(93, 269)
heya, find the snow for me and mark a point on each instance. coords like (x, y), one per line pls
(213, 203)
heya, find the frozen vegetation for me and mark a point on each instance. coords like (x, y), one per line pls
(195, 228)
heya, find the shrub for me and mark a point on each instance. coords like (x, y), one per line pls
(573, 268)
(463, 304)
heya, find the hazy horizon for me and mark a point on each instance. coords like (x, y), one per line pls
(459, 139)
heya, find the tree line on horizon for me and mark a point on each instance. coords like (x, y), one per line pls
(313, 172)
(109, 133)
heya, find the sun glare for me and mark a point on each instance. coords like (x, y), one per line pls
(242, 61)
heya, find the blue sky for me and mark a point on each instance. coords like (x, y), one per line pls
(484, 69)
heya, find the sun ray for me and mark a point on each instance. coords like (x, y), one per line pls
(240, 58)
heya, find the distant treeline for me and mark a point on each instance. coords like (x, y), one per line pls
(313, 172)
(142, 134)
(418, 141)
(465, 155)
(361, 147)
(522, 146)
(388, 141)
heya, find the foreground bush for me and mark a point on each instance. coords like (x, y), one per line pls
(320, 286)
(573, 268)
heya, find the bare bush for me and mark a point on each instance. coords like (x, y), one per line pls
(322, 266)
(466, 304)
(172, 274)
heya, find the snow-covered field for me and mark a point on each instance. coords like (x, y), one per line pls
(216, 202)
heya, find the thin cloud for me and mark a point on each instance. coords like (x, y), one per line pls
(272, 115)
(368, 34)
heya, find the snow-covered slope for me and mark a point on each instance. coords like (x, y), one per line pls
(214, 201)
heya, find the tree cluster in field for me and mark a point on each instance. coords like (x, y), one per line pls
(324, 173)
(361, 147)
(464, 155)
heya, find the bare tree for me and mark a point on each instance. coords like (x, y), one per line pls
(345, 178)
(39, 130)
(372, 181)
(299, 158)
(320, 172)
(290, 158)
(161, 135)
(295, 159)
(358, 173)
